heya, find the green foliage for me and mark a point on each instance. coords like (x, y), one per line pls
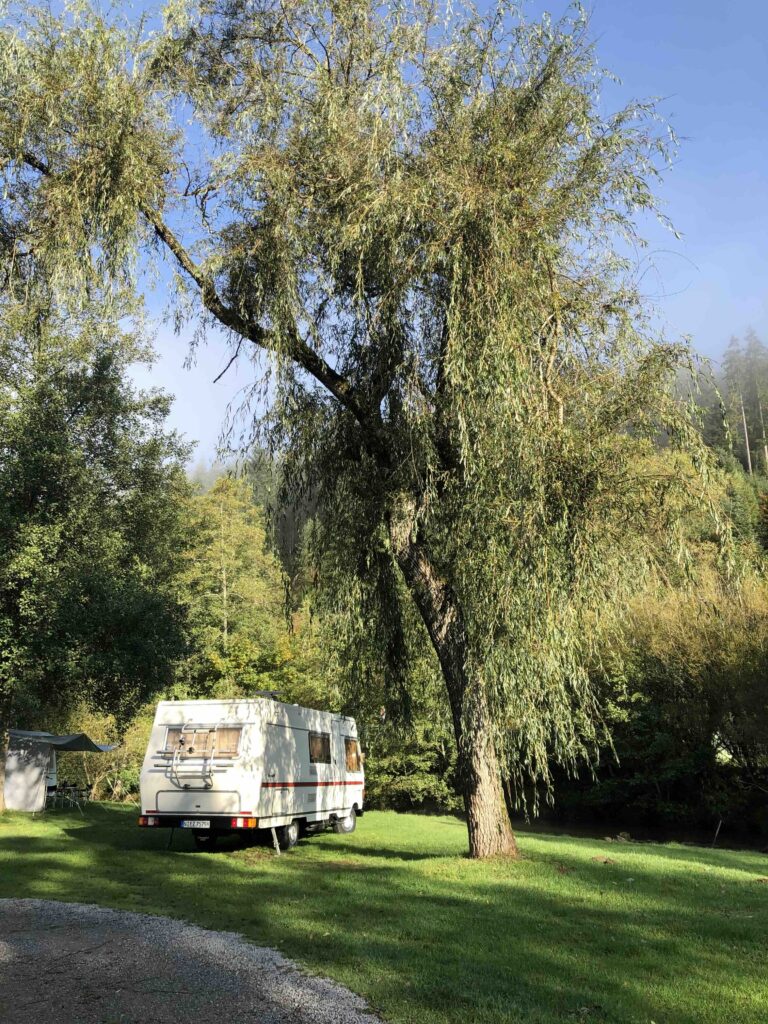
(403, 719)
(112, 148)
(241, 639)
(90, 521)
(411, 770)
(683, 687)
(422, 214)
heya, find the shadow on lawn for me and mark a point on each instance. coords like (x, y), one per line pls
(377, 852)
(684, 856)
(460, 946)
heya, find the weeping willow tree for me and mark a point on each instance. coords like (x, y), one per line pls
(413, 218)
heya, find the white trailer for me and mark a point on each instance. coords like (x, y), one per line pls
(221, 766)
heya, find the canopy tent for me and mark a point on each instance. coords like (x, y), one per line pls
(30, 767)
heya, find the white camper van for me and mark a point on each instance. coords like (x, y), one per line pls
(220, 766)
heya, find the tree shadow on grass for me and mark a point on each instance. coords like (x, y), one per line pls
(456, 942)
(377, 852)
(675, 856)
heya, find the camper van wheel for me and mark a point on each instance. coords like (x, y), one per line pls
(205, 840)
(288, 835)
(346, 824)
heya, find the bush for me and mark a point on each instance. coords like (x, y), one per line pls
(412, 772)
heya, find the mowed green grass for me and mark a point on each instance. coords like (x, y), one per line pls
(669, 934)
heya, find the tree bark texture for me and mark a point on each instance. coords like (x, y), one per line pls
(490, 832)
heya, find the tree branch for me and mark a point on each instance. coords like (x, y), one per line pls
(218, 376)
(38, 165)
(298, 350)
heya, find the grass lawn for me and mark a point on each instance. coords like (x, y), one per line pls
(664, 934)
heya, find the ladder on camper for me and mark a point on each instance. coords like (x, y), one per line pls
(202, 768)
(204, 764)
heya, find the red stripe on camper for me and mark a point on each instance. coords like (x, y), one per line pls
(240, 814)
(296, 785)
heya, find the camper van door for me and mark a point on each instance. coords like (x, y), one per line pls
(282, 769)
(321, 767)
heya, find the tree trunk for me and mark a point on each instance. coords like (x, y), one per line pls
(490, 832)
(746, 434)
(762, 427)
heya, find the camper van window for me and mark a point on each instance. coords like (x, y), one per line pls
(320, 748)
(188, 742)
(200, 742)
(352, 748)
(227, 742)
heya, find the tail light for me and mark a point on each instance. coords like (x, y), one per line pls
(243, 822)
(147, 820)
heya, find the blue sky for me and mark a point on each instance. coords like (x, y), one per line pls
(709, 63)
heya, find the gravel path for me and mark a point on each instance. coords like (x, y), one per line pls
(67, 963)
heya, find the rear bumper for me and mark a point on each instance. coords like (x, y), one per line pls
(216, 822)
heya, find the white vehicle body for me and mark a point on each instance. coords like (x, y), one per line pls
(221, 765)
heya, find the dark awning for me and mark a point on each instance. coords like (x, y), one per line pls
(75, 741)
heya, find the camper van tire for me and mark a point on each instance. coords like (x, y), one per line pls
(288, 835)
(347, 824)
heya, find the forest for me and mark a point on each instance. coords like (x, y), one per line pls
(130, 574)
(478, 499)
